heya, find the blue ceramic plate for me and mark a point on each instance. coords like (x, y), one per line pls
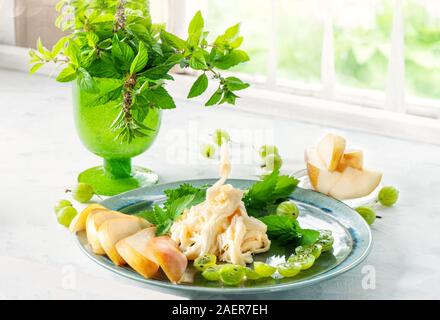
(317, 211)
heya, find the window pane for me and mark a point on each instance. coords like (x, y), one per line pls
(221, 14)
(300, 35)
(362, 36)
(422, 48)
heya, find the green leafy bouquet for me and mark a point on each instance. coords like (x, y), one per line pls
(114, 51)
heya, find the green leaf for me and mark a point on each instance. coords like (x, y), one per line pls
(85, 81)
(40, 46)
(308, 236)
(185, 189)
(176, 208)
(103, 69)
(60, 4)
(160, 98)
(35, 68)
(105, 44)
(122, 52)
(107, 89)
(215, 98)
(231, 59)
(198, 61)
(164, 217)
(272, 189)
(92, 39)
(235, 84)
(228, 97)
(173, 40)
(195, 29)
(236, 43)
(161, 71)
(199, 86)
(232, 32)
(72, 52)
(141, 59)
(56, 49)
(108, 17)
(67, 74)
(282, 228)
(284, 187)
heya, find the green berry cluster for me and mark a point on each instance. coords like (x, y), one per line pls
(218, 137)
(270, 157)
(387, 197)
(64, 210)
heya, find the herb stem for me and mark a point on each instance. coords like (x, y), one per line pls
(120, 18)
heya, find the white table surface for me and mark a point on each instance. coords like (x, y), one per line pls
(41, 155)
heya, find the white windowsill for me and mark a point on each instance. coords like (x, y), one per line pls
(291, 106)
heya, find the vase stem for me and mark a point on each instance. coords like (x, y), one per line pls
(118, 168)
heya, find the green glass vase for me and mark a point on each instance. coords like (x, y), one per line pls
(117, 174)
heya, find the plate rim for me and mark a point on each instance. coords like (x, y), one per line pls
(152, 284)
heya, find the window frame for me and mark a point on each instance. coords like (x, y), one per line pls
(394, 97)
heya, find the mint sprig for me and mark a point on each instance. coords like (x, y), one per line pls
(177, 201)
(263, 195)
(115, 39)
(287, 229)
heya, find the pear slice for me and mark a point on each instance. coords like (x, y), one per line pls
(330, 150)
(164, 251)
(95, 219)
(133, 250)
(114, 230)
(355, 184)
(321, 179)
(79, 222)
(353, 159)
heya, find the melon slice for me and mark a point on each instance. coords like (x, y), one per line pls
(353, 159)
(79, 222)
(355, 183)
(114, 230)
(331, 149)
(94, 221)
(133, 250)
(320, 177)
(164, 251)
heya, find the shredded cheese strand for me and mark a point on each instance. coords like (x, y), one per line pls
(220, 225)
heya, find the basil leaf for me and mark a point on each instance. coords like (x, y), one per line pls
(85, 81)
(109, 89)
(36, 67)
(229, 97)
(215, 98)
(67, 74)
(235, 84)
(56, 49)
(72, 51)
(141, 59)
(308, 236)
(161, 71)
(92, 39)
(104, 68)
(232, 32)
(270, 190)
(198, 61)
(160, 98)
(282, 228)
(173, 40)
(103, 18)
(231, 59)
(199, 86)
(195, 29)
(122, 52)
